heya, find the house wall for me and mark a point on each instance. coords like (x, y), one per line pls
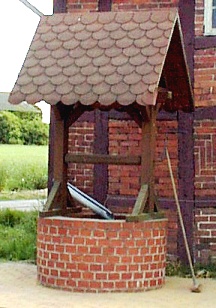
(204, 140)
(124, 136)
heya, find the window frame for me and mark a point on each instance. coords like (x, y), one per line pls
(208, 9)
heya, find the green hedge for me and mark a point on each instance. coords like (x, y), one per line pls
(23, 128)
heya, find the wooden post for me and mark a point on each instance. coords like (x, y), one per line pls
(58, 151)
(148, 155)
(101, 143)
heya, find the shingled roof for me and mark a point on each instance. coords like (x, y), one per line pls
(97, 57)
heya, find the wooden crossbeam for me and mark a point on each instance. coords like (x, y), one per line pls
(102, 159)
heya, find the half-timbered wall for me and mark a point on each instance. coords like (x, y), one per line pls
(197, 195)
(205, 139)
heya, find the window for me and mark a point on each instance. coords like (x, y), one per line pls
(210, 17)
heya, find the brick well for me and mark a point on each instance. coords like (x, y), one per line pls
(92, 255)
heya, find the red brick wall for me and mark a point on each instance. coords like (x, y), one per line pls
(124, 139)
(119, 5)
(204, 147)
(127, 5)
(82, 5)
(204, 68)
(205, 158)
(205, 77)
(89, 255)
(205, 235)
(204, 132)
(81, 137)
(199, 17)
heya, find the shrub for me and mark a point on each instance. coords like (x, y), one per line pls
(35, 132)
(18, 235)
(10, 218)
(10, 128)
(23, 128)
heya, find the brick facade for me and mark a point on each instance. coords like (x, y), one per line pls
(205, 158)
(125, 136)
(90, 255)
(205, 140)
(205, 235)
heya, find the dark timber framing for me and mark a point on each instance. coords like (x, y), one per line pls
(60, 6)
(101, 137)
(185, 136)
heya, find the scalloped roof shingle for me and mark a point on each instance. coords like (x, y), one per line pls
(96, 57)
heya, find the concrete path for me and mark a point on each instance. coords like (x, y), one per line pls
(19, 289)
(22, 205)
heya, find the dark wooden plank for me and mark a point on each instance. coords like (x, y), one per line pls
(60, 6)
(59, 148)
(145, 216)
(135, 115)
(101, 144)
(51, 149)
(74, 113)
(104, 5)
(102, 159)
(186, 180)
(205, 42)
(205, 113)
(187, 17)
(59, 212)
(101, 141)
(141, 200)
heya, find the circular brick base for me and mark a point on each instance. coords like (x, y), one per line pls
(91, 255)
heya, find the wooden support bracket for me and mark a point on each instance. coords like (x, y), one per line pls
(141, 200)
(53, 196)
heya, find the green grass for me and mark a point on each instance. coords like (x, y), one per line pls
(23, 167)
(18, 235)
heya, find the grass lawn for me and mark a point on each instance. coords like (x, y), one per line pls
(22, 168)
(14, 153)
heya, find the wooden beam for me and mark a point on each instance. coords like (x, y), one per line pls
(53, 196)
(148, 155)
(141, 200)
(145, 216)
(59, 212)
(102, 159)
(104, 5)
(60, 6)
(101, 145)
(135, 115)
(74, 113)
(59, 148)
